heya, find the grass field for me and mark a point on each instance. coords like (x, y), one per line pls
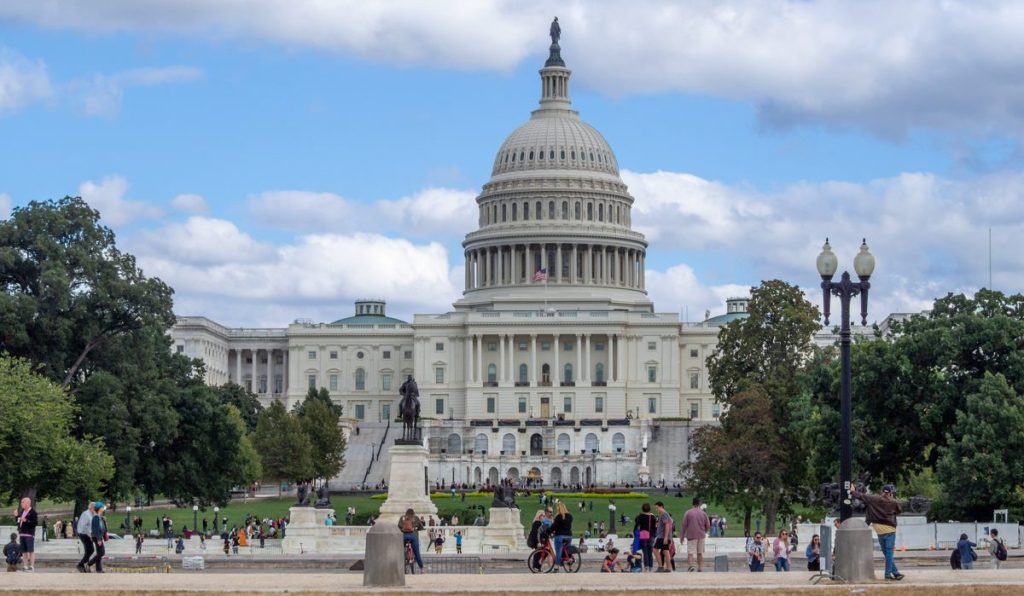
(365, 505)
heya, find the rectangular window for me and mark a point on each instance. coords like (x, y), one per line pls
(311, 355)
(694, 380)
(522, 346)
(407, 355)
(694, 410)
(490, 405)
(599, 346)
(360, 411)
(385, 382)
(716, 410)
(652, 345)
(567, 404)
(181, 349)
(652, 374)
(522, 405)
(545, 346)
(567, 346)
(492, 347)
(439, 346)
(599, 404)
(439, 406)
(333, 355)
(694, 353)
(652, 405)
(439, 375)
(334, 382)
(386, 355)
(312, 381)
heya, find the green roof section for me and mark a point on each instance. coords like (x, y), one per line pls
(727, 318)
(369, 320)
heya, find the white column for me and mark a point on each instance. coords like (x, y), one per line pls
(573, 272)
(533, 359)
(501, 358)
(588, 267)
(479, 357)
(469, 360)
(513, 266)
(255, 371)
(579, 359)
(528, 265)
(558, 262)
(238, 366)
(586, 358)
(270, 371)
(501, 266)
(613, 358)
(286, 371)
(556, 374)
(512, 359)
(643, 270)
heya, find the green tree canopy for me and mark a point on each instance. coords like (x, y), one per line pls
(320, 423)
(284, 449)
(41, 457)
(245, 401)
(319, 395)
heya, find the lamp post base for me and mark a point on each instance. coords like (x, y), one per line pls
(854, 552)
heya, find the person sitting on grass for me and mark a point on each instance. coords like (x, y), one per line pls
(610, 562)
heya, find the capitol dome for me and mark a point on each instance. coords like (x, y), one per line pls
(555, 213)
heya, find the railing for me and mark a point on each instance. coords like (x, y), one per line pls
(460, 564)
(568, 383)
(490, 384)
(380, 448)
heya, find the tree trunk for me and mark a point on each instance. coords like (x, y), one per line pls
(771, 509)
(747, 513)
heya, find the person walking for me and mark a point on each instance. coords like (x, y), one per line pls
(411, 524)
(695, 529)
(99, 536)
(646, 526)
(881, 516)
(996, 548)
(663, 537)
(561, 529)
(966, 550)
(139, 539)
(780, 548)
(84, 530)
(814, 554)
(756, 553)
(27, 520)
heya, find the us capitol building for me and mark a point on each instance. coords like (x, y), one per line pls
(575, 378)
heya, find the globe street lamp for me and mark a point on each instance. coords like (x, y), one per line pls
(216, 518)
(845, 289)
(127, 526)
(195, 517)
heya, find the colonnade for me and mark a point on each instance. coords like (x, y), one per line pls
(516, 264)
(506, 369)
(262, 370)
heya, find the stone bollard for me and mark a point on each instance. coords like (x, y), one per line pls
(855, 556)
(384, 559)
(721, 562)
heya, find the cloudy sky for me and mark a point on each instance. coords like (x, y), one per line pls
(274, 159)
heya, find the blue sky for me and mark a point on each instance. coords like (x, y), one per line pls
(232, 149)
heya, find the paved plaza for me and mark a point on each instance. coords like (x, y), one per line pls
(1010, 581)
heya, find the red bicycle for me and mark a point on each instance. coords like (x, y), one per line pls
(542, 558)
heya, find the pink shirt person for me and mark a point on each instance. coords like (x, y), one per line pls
(696, 524)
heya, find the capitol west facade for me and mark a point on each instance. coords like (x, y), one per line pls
(565, 380)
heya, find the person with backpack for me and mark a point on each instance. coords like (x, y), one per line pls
(996, 548)
(12, 553)
(966, 549)
(99, 536)
(410, 525)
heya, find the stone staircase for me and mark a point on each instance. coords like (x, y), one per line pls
(361, 456)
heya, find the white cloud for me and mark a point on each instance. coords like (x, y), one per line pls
(429, 213)
(190, 203)
(22, 81)
(884, 65)
(678, 289)
(5, 205)
(202, 241)
(102, 94)
(108, 197)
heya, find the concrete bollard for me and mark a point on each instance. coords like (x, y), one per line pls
(854, 552)
(384, 559)
(721, 562)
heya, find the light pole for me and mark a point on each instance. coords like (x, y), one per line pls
(195, 517)
(216, 519)
(845, 289)
(127, 522)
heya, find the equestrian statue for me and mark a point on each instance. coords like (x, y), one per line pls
(409, 409)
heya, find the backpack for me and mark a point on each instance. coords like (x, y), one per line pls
(13, 552)
(407, 525)
(1000, 549)
(954, 559)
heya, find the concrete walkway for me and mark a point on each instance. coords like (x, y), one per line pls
(923, 582)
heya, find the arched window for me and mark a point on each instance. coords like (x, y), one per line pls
(551, 155)
(563, 154)
(590, 443)
(565, 209)
(545, 374)
(522, 374)
(504, 212)
(454, 443)
(577, 213)
(618, 442)
(551, 210)
(540, 211)
(513, 157)
(492, 373)
(515, 208)
(568, 373)
(508, 443)
(590, 211)
(540, 154)
(480, 443)
(563, 443)
(522, 155)
(600, 212)
(494, 214)
(536, 444)
(572, 154)
(531, 156)
(360, 379)
(526, 211)
(599, 372)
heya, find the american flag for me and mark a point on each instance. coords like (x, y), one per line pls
(541, 275)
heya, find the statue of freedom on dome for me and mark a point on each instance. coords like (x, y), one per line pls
(556, 32)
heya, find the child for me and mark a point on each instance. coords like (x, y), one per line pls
(139, 539)
(636, 561)
(179, 546)
(12, 553)
(438, 544)
(458, 542)
(610, 560)
(227, 545)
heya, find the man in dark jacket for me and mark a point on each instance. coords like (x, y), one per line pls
(27, 521)
(881, 514)
(99, 535)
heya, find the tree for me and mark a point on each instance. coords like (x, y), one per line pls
(283, 446)
(65, 288)
(979, 467)
(765, 353)
(41, 457)
(320, 424)
(245, 401)
(736, 462)
(320, 395)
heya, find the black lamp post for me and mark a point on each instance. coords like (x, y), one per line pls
(195, 517)
(845, 289)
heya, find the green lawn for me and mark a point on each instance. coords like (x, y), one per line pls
(365, 505)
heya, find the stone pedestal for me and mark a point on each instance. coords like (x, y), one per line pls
(854, 552)
(503, 530)
(384, 559)
(306, 531)
(407, 485)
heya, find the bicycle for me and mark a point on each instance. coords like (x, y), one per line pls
(410, 558)
(542, 560)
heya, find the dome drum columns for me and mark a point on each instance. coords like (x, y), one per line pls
(565, 263)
